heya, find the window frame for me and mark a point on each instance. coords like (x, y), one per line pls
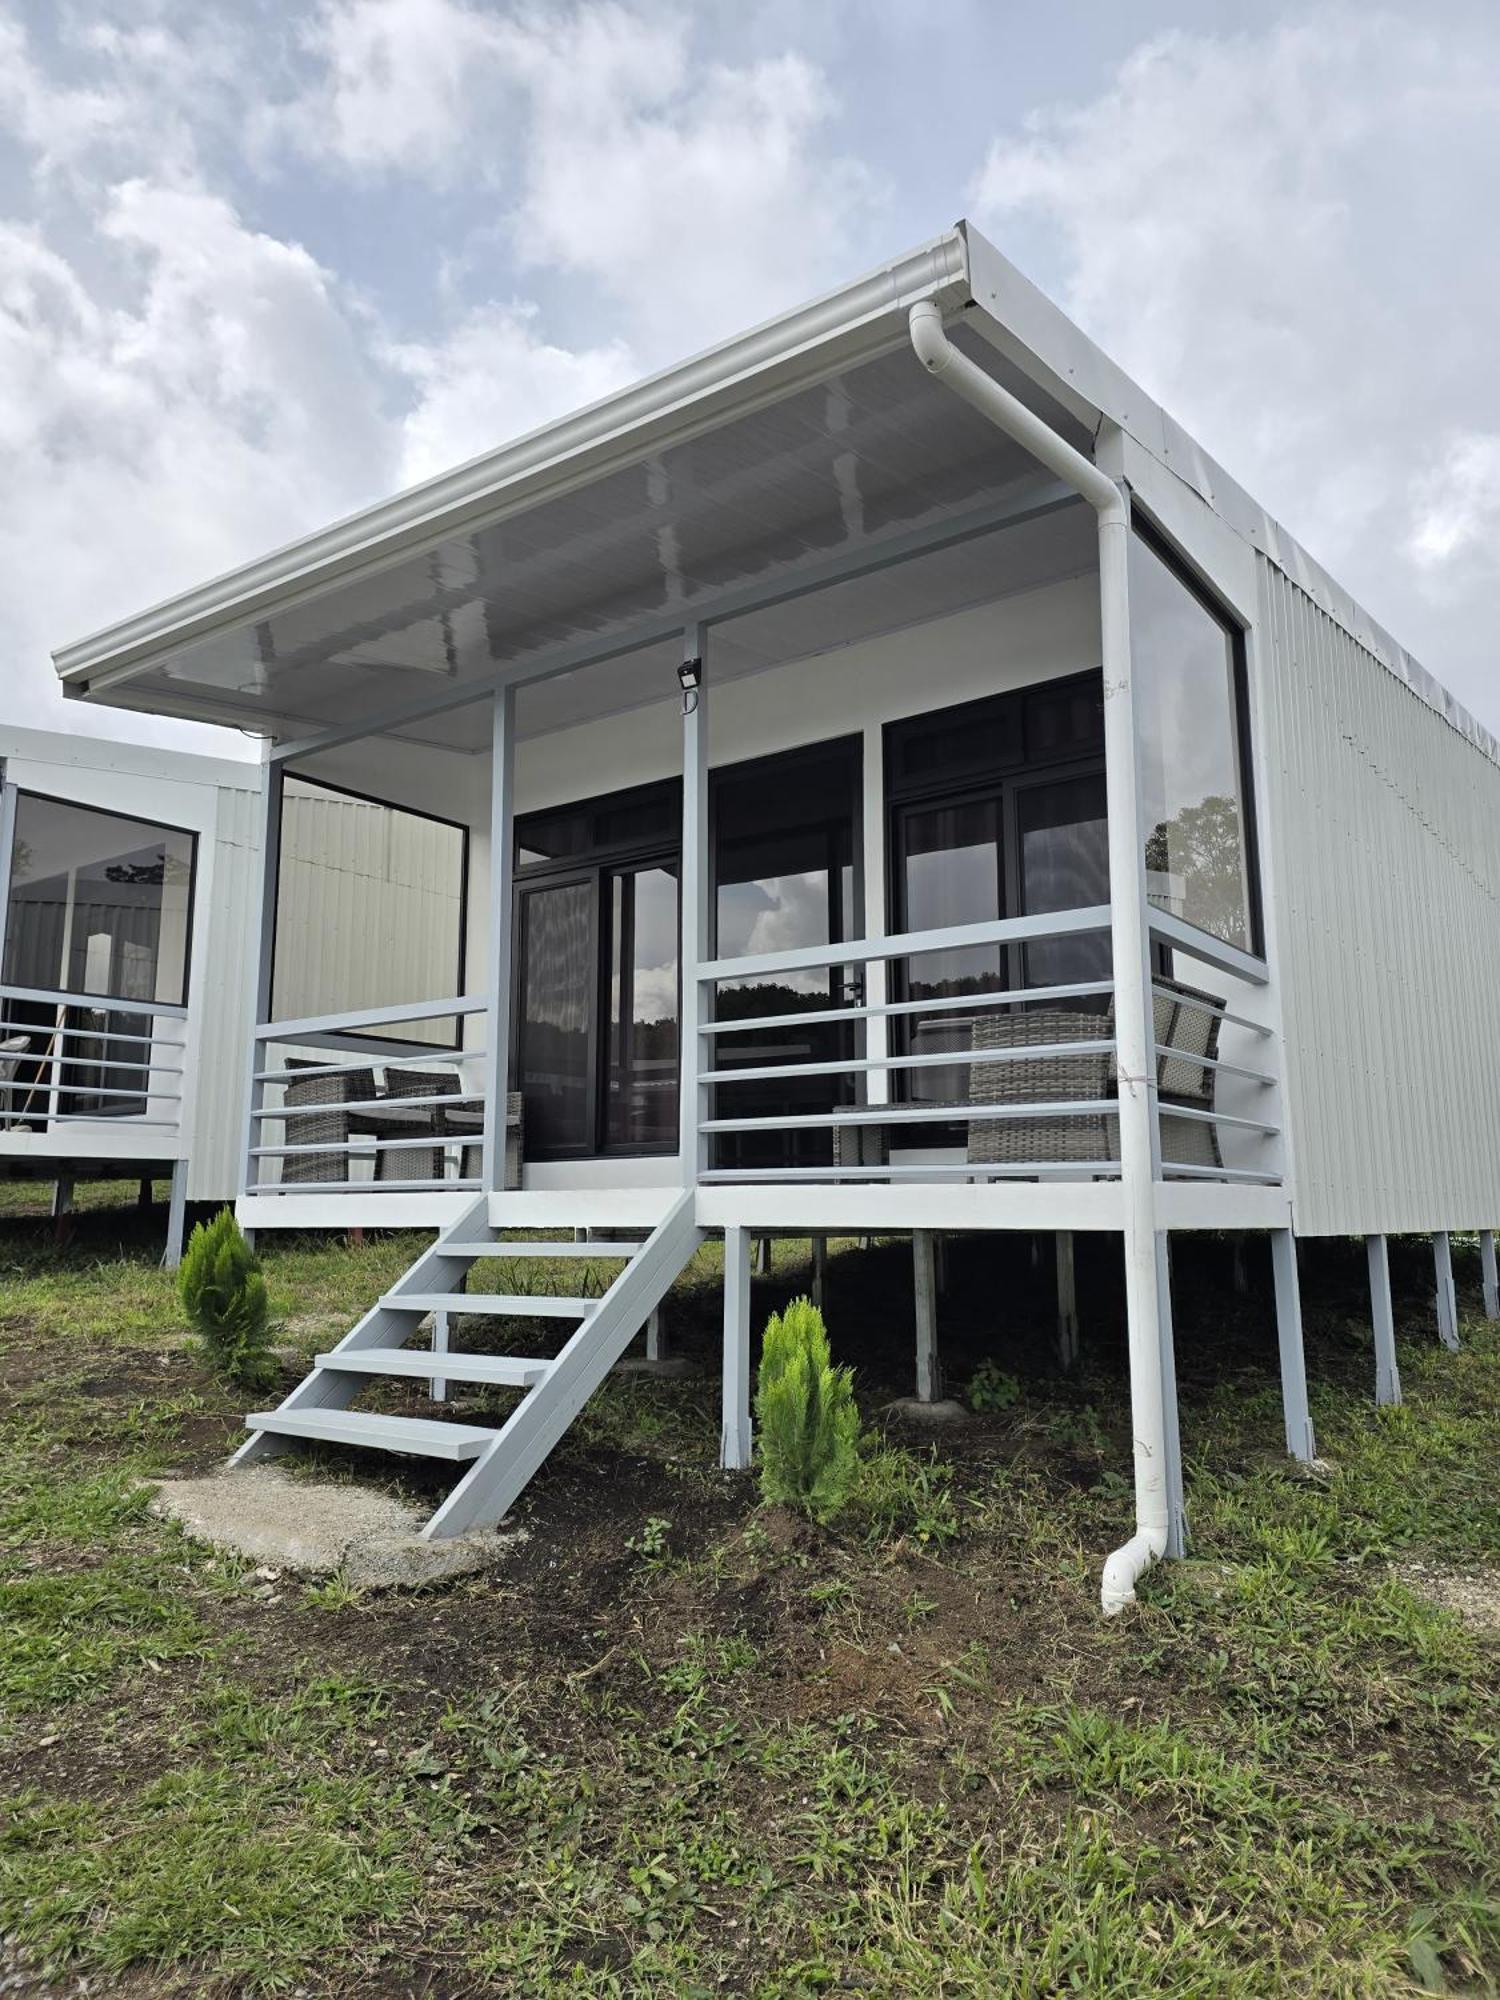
(1178, 565)
(191, 834)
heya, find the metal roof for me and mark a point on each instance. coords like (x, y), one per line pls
(812, 437)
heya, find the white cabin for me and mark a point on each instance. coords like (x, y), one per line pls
(129, 911)
(895, 781)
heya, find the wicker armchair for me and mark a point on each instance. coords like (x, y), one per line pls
(330, 1127)
(1186, 1025)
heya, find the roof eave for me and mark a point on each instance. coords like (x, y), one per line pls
(728, 380)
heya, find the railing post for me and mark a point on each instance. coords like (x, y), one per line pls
(7, 855)
(697, 926)
(272, 792)
(502, 906)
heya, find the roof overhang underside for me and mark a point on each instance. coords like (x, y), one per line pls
(863, 498)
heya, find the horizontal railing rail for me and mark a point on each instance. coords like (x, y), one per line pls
(881, 1081)
(334, 1127)
(65, 1072)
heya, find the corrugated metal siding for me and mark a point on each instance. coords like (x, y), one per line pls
(370, 912)
(224, 930)
(1385, 831)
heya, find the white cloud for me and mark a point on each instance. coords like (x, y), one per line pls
(401, 87)
(1279, 234)
(492, 378)
(1458, 505)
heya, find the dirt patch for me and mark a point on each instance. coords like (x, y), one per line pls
(1472, 1596)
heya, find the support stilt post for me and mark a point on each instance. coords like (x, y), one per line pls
(1300, 1442)
(820, 1272)
(924, 1274)
(1067, 1302)
(1387, 1374)
(656, 1349)
(1447, 1298)
(176, 1216)
(735, 1438)
(1491, 1278)
(1177, 1532)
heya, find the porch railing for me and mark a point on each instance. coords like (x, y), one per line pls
(89, 1059)
(321, 1122)
(1073, 1122)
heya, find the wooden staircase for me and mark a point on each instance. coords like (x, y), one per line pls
(499, 1464)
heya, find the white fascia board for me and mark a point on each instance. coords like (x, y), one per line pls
(1023, 324)
(66, 750)
(731, 380)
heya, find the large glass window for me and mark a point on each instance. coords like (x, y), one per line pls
(369, 910)
(1188, 669)
(99, 904)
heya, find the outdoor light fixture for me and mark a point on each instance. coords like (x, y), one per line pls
(690, 677)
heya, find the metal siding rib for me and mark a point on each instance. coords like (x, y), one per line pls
(1386, 835)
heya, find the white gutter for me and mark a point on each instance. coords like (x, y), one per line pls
(1128, 932)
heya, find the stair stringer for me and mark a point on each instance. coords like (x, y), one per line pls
(495, 1481)
(327, 1387)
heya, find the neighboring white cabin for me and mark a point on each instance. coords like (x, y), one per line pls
(129, 899)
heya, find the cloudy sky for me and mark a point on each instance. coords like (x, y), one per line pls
(261, 263)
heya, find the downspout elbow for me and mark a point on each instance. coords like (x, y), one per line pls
(1125, 1568)
(1008, 413)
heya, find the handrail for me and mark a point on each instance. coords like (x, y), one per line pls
(371, 1017)
(100, 1002)
(911, 944)
(1201, 944)
(940, 1059)
(958, 1002)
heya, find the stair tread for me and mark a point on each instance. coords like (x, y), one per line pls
(512, 1371)
(530, 1305)
(613, 1248)
(422, 1435)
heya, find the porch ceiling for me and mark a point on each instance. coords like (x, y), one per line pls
(853, 461)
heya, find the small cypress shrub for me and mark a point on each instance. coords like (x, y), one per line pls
(807, 1422)
(224, 1297)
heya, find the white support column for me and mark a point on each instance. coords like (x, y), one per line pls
(1447, 1298)
(7, 847)
(735, 1436)
(502, 911)
(697, 918)
(1067, 1302)
(872, 848)
(1387, 1374)
(272, 788)
(176, 1216)
(1491, 1278)
(1300, 1442)
(924, 1286)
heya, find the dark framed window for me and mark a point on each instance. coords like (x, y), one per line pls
(597, 988)
(100, 907)
(1192, 722)
(100, 903)
(371, 910)
(1013, 822)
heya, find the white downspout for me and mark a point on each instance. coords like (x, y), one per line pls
(1134, 1027)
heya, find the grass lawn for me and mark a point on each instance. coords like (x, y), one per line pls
(681, 1745)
